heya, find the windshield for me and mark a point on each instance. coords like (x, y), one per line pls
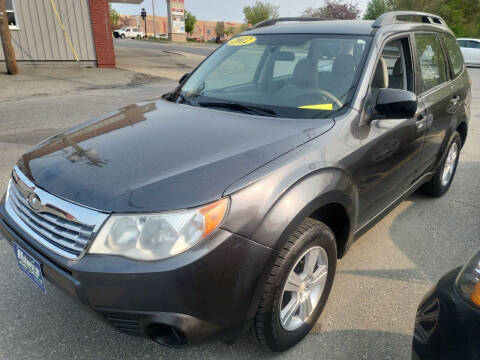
(296, 76)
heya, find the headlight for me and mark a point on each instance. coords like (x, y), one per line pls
(158, 236)
(468, 280)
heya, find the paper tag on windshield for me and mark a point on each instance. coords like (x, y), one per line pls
(317, 107)
(242, 40)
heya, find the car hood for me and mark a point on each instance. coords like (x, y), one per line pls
(158, 155)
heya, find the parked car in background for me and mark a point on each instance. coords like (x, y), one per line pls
(159, 37)
(447, 326)
(128, 33)
(470, 50)
(197, 39)
(224, 205)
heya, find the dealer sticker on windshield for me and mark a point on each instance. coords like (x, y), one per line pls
(317, 107)
(30, 266)
(242, 40)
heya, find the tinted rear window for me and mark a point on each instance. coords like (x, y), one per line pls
(433, 69)
(454, 53)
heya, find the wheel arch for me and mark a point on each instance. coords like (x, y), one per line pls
(335, 216)
(328, 196)
(462, 129)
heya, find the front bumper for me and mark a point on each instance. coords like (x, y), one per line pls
(207, 293)
(446, 327)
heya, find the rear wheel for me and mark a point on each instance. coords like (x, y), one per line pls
(298, 287)
(123, 36)
(442, 180)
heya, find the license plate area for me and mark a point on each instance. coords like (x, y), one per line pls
(30, 266)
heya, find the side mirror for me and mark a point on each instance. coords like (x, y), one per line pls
(183, 78)
(395, 104)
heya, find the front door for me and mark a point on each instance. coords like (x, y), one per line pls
(391, 147)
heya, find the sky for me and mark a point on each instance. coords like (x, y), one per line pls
(225, 10)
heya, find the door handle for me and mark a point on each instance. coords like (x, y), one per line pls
(420, 122)
(454, 100)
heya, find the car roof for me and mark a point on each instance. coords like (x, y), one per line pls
(468, 39)
(343, 27)
(358, 27)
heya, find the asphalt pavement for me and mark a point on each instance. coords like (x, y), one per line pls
(160, 59)
(203, 49)
(371, 310)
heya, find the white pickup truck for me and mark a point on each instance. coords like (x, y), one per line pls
(128, 32)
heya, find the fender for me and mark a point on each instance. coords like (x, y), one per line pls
(267, 211)
(290, 208)
(324, 187)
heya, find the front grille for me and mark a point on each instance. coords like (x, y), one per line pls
(57, 224)
(65, 234)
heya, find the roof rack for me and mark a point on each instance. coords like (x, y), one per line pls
(270, 22)
(390, 18)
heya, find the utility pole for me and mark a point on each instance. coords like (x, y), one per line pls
(153, 10)
(144, 17)
(8, 51)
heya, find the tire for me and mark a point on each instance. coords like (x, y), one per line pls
(123, 36)
(270, 328)
(439, 184)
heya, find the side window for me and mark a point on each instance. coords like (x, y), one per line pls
(392, 53)
(394, 68)
(462, 43)
(474, 44)
(454, 53)
(433, 70)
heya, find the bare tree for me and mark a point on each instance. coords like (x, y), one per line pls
(334, 9)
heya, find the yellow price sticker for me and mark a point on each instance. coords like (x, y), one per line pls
(317, 107)
(242, 40)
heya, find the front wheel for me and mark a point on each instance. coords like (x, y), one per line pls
(443, 178)
(297, 288)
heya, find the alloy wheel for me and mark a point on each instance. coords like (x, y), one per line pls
(449, 166)
(304, 288)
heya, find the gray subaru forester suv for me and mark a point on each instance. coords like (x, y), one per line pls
(224, 205)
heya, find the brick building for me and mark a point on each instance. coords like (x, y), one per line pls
(37, 35)
(204, 30)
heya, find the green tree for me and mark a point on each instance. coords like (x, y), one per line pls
(114, 17)
(260, 11)
(190, 21)
(375, 8)
(462, 16)
(229, 31)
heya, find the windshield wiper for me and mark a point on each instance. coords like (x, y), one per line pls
(239, 107)
(184, 99)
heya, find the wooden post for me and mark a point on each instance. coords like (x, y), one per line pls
(8, 51)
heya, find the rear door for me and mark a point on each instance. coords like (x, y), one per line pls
(436, 95)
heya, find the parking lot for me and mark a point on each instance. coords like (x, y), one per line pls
(371, 310)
